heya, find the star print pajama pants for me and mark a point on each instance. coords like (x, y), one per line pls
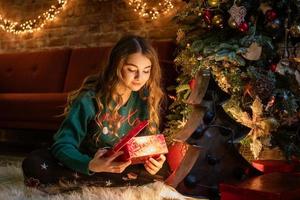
(42, 171)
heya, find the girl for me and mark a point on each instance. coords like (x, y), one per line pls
(126, 91)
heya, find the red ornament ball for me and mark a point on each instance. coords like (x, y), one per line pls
(207, 15)
(273, 67)
(244, 27)
(271, 15)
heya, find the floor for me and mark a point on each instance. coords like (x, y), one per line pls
(19, 143)
(10, 153)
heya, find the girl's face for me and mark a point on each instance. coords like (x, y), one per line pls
(135, 71)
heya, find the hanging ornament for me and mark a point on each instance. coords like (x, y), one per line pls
(238, 13)
(273, 67)
(295, 30)
(232, 23)
(275, 29)
(244, 27)
(207, 15)
(271, 15)
(274, 25)
(270, 103)
(264, 7)
(213, 3)
(218, 21)
(253, 52)
(180, 35)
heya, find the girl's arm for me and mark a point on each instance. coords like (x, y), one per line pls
(72, 132)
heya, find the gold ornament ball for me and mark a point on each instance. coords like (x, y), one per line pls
(213, 3)
(217, 20)
(295, 31)
(232, 23)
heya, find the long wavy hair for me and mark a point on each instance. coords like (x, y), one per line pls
(104, 84)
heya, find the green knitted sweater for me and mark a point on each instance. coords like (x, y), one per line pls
(80, 135)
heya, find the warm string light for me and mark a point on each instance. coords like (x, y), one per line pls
(143, 9)
(32, 25)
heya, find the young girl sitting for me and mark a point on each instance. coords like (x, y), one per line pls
(107, 106)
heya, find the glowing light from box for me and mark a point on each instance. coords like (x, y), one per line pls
(147, 145)
(32, 25)
(150, 150)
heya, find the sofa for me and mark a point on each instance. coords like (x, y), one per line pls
(34, 85)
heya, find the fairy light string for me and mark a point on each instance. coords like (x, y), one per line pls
(35, 24)
(146, 11)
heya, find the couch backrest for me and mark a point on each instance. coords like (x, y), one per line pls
(63, 70)
(83, 62)
(32, 72)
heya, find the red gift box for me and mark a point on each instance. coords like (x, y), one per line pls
(139, 149)
(181, 159)
(275, 186)
(269, 166)
(177, 150)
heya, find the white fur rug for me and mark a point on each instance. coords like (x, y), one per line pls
(12, 188)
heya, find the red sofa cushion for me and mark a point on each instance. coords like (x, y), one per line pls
(83, 62)
(33, 109)
(32, 72)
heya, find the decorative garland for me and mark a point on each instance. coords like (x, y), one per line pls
(143, 9)
(32, 25)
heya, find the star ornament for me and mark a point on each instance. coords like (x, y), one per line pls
(44, 166)
(108, 183)
(76, 175)
(259, 125)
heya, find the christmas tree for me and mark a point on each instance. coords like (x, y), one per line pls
(250, 49)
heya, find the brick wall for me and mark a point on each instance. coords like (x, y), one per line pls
(82, 23)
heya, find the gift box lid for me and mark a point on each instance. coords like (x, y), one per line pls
(133, 132)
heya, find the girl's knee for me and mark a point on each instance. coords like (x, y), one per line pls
(29, 165)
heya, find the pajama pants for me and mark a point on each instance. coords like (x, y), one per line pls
(42, 171)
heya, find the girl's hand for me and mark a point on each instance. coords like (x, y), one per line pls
(154, 165)
(107, 164)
